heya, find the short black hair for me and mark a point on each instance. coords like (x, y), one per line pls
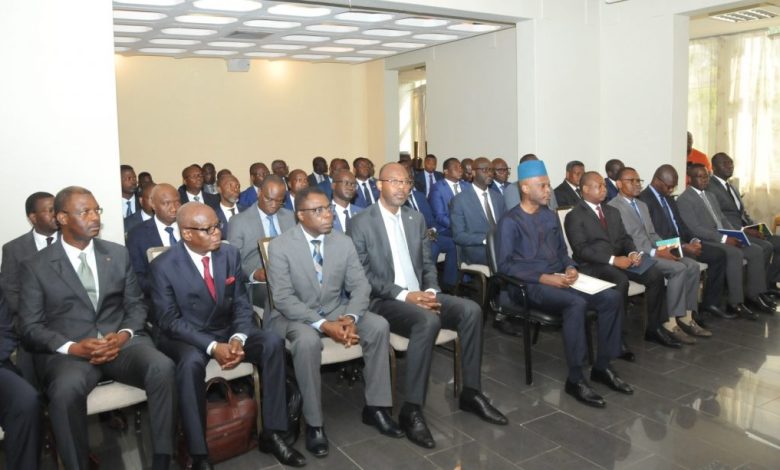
(587, 176)
(449, 162)
(624, 170)
(359, 159)
(144, 173)
(65, 194)
(611, 163)
(32, 200)
(718, 157)
(304, 194)
(125, 168)
(430, 155)
(694, 166)
(272, 179)
(570, 166)
(528, 156)
(194, 165)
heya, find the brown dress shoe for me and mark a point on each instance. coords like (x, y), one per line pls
(694, 329)
(680, 336)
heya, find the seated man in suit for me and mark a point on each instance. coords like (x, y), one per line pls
(343, 185)
(701, 213)
(530, 247)
(257, 173)
(20, 409)
(467, 164)
(367, 192)
(319, 173)
(146, 212)
(229, 204)
(336, 165)
(160, 230)
(682, 274)
(425, 180)
(82, 315)
(568, 192)
(129, 184)
(501, 172)
(310, 269)
(441, 195)
(297, 181)
(266, 218)
(202, 310)
(669, 224)
(192, 189)
(733, 210)
(612, 168)
(512, 192)
(603, 249)
(391, 241)
(209, 178)
(280, 169)
(144, 178)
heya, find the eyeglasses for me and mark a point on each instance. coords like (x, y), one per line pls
(85, 212)
(349, 184)
(399, 183)
(318, 211)
(209, 230)
(633, 180)
(486, 170)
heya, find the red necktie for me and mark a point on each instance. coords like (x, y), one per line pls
(209, 280)
(601, 217)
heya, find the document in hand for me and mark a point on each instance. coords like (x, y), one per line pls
(738, 234)
(647, 263)
(671, 244)
(590, 285)
(762, 229)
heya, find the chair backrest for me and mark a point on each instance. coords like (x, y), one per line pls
(562, 211)
(490, 243)
(155, 251)
(262, 246)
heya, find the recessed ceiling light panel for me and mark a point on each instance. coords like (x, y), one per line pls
(473, 27)
(228, 5)
(214, 52)
(272, 24)
(205, 19)
(436, 37)
(121, 49)
(376, 52)
(283, 47)
(352, 59)
(125, 40)
(156, 3)
(289, 9)
(357, 42)
(421, 22)
(269, 55)
(332, 28)
(138, 15)
(364, 17)
(311, 56)
(174, 42)
(161, 50)
(231, 44)
(305, 38)
(403, 45)
(189, 31)
(131, 28)
(332, 49)
(387, 32)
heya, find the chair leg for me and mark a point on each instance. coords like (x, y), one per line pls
(527, 350)
(258, 399)
(137, 422)
(456, 379)
(537, 327)
(393, 373)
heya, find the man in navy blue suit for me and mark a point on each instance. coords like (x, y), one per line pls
(367, 192)
(612, 167)
(160, 230)
(426, 179)
(192, 188)
(296, 180)
(441, 195)
(336, 165)
(257, 173)
(344, 184)
(145, 213)
(501, 172)
(318, 175)
(203, 312)
(229, 190)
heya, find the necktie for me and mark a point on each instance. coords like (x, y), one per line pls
(490, 218)
(367, 194)
(412, 284)
(456, 188)
(733, 195)
(636, 208)
(602, 219)
(197, 198)
(87, 279)
(207, 277)
(129, 211)
(346, 214)
(317, 256)
(579, 193)
(232, 211)
(171, 238)
(49, 240)
(669, 214)
(709, 208)
(431, 182)
(271, 227)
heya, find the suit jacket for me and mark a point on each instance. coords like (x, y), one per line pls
(663, 225)
(140, 239)
(137, 205)
(500, 187)
(421, 176)
(246, 229)
(14, 253)
(642, 231)
(248, 197)
(440, 198)
(224, 220)
(369, 235)
(55, 308)
(211, 200)
(326, 186)
(590, 242)
(288, 202)
(183, 307)
(8, 338)
(423, 207)
(612, 190)
(313, 179)
(353, 209)
(360, 199)
(298, 295)
(696, 216)
(736, 216)
(470, 225)
(565, 195)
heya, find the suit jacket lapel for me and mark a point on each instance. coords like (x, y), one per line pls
(219, 264)
(412, 242)
(307, 260)
(381, 234)
(64, 268)
(105, 265)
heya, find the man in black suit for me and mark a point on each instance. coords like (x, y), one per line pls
(501, 175)
(192, 189)
(604, 250)
(568, 192)
(336, 165)
(391, 241)
(319, 172)
(129, 181)
(203, 312)
(145, 213)
(280, 169)
(229, 205)
(612, 168)
(669, 224)
(425, 179)
(82, 315)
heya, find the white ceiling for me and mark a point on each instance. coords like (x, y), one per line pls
(248, 29)
(703, 25)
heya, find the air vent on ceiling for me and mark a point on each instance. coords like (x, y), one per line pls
(750, 13)
(251, 35)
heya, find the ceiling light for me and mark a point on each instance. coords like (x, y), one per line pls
(138, 15)
(206, 19)
(376, 52)
(161, 50)
(310, 56)
(231, 44)
(352, 59)
(435, 37)
(189, 31)
(214, 52)
(305, 38)
(289, 9)
(403, 45)
(121, 49)
(175, 42)
(474, 27)
(273, 24)
(157, 3)
(124, 40)
(332, 49)
(421, 22)
(387, 32)
(756, 12)
(265, 54)
(131, 28)
(283, 47)
(332, 28)
(228, 5)
(363, 17)
(357, 42)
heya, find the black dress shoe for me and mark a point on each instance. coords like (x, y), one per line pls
(505, 326)
(773, 293)
(660, 336)
(381, 419)
(479, 404)
(743, 311)
(768, 300)
(413, 424)
(715, 311)
(625, 353)
(201, 463)
(756, 304)
(610, 378)
(584, 393)
(274, 444)
(316, 441)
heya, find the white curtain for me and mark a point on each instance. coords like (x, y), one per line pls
(734, 107)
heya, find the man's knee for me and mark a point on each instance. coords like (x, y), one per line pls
(307, 343)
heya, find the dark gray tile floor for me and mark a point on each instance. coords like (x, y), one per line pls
(714, 405)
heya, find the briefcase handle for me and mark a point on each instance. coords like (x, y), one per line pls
(220, 381)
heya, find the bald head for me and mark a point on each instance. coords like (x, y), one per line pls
(665, 180)
(191, 213)
(165, 202)
(199, 227)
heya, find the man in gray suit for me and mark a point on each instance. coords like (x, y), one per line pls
(391, 241)
(82, 315)
(682, 274)
(701, 213)
(267, 219)
(311, 267)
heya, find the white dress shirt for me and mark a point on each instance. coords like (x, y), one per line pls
(227, 211)
(40, 240)
(132, 206)
(367, 182)
(166, 241)
(191, 197)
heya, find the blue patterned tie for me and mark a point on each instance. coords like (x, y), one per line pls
(317, 256)
(636, 208)
(129, 210)
(271, 227)
(171, 238)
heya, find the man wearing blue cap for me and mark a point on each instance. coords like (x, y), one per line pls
(531, 248)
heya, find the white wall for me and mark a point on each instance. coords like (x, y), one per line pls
(58, 123)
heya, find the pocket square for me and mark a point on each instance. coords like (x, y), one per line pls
(230, 280)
